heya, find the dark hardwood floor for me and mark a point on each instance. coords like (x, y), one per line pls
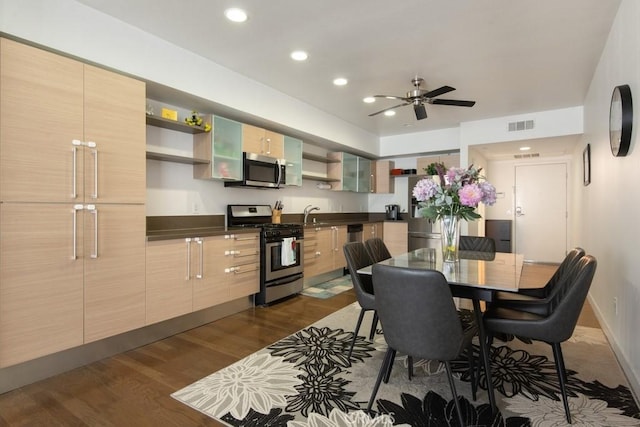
(133, 388)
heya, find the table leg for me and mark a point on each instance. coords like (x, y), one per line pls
(484, 352)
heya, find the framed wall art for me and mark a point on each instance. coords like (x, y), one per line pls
(586, 165)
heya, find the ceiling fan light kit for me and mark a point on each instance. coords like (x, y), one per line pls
(419, 97)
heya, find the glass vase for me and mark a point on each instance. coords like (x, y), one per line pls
(450, 237)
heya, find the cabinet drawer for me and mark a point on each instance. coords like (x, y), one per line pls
(244, 280)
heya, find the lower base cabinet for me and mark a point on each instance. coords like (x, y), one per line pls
(185, 275)
(64, 283)
(396, 237)
(323, 249)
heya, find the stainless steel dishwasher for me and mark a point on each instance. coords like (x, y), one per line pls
(354, 233)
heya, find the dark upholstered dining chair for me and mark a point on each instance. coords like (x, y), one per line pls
(477, 244)
(357, 257)
(554, 328)
(541, 300)
(377, 249)
(419, 319)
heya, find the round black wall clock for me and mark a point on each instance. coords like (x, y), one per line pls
(620, 120)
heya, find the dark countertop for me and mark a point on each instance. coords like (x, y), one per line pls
(189, 226)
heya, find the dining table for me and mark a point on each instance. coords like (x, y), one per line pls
(476, 276)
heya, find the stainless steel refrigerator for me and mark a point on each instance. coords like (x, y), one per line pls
(423, 233)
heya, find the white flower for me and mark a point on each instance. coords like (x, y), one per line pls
(585, 412)
(338, 418)
(259, 382)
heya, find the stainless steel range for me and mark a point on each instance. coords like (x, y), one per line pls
(281, 251)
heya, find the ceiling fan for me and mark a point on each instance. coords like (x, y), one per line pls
(418, 97)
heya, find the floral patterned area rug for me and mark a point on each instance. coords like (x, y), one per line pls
(306, 380)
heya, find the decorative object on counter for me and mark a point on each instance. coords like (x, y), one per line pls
(196, 120)
(396, 171)
(170, 114)
(149, 110)
(451, 196)
(276, 213)
(432, 169)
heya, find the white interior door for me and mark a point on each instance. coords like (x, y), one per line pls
(541, 212)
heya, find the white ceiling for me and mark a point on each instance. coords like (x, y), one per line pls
(510, 56)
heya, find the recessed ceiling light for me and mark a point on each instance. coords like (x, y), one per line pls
(299, 55)
(389, 113)
(525, 148)
(340, 81)
(236, 15)
(369, 99)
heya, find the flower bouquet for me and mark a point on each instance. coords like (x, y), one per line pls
(452, 195)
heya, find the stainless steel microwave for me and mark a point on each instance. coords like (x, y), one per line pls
(260, 171)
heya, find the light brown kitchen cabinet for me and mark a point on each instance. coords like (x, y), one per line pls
(261, 141)
(396, 237)
(185, 275)
(323, 249)
(72, 138)
(375, 229)
(229, 269)
(449, 161)
(41, 281)
(381, 177)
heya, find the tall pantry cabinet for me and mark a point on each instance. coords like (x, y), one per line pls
(72, 193)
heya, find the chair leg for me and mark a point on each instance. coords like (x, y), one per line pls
(386, 362)
(390, 367)
(355, 333)
(410, 366)
(374, 324)
(562, 376)
(472, 372)
(453, 391)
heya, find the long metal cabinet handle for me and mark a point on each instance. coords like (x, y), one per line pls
(268, 145)
(200, 273)
(74, 179)
(76, 208)
(188, 240)
(334, 238)
(372, 184)
(95, 169)
(92, 209)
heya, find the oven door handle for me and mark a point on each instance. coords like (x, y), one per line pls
(286, 280)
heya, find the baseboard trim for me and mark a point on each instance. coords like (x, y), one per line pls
(633, 380)
(22, 374)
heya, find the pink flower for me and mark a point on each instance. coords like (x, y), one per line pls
(425, 189)
(488, 193)
(470, 195)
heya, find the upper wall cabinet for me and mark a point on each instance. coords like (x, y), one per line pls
(264, 142)
(66, 134)
(293, 157)
(381, 174)
(223, 146)
(449, 161)
(351, 172)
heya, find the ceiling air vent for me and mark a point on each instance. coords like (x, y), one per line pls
(522, 125)
(526, 156)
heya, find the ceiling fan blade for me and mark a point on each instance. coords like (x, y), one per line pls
(454, 102)
(391, 97)
(390, 108)
(437, 92)
(421, 111)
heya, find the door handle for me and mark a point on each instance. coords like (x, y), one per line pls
(94, 211)
(519, 211)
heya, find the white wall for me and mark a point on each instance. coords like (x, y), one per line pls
(605, 214)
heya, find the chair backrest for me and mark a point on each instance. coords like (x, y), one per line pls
(565, 267)
(477, 243)
(560, 324)
(417, 312)
(357, 257)
(377, 249)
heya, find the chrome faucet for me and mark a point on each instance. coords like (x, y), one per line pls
(308, 210)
